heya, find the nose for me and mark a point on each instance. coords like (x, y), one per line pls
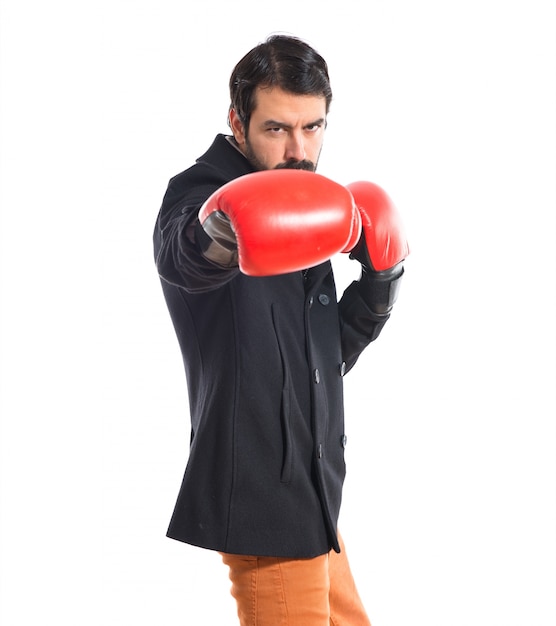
(295, 148)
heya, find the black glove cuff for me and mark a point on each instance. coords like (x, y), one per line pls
(217, 240)
(380, 290)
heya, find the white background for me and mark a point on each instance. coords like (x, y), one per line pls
(449, 509)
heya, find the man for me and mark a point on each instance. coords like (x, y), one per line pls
(242, 245)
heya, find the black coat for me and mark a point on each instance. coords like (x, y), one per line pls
(264, 360)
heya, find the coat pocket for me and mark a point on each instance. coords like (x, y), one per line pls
(287, 455)
(286, 405)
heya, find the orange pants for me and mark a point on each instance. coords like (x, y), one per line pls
(272, 591)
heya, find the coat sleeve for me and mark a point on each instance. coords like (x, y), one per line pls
(178, 257)
(359, 325)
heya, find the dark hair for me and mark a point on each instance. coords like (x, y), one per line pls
(281, 61)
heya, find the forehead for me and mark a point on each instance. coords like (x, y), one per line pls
(276, 104)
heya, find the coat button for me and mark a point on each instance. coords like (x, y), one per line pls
(316, 375)
(344, 441)
(324, 299)
(343, 367)
(311, 300)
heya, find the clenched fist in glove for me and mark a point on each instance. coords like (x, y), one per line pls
(278, 221)
(382, 247)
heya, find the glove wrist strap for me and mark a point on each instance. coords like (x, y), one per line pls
(217, 240)
(381, 288)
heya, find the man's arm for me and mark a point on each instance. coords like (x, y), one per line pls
(366, 304)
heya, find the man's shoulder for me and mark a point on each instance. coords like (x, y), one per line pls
(221, 163)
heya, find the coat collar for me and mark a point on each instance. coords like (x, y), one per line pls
(224, 156)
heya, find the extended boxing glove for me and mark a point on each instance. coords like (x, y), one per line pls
(278, 221)
(381, 248)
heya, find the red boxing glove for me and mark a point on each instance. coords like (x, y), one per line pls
(381, 248)
(383, 243)
(278, 221)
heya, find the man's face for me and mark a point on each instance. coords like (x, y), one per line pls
(285, 131)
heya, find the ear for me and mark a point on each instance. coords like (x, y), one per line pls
(237, 127)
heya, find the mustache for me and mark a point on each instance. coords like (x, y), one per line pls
(292, 164)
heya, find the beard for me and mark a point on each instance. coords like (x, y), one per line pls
(291, 164)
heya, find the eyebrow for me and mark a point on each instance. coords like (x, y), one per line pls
(274, 123)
